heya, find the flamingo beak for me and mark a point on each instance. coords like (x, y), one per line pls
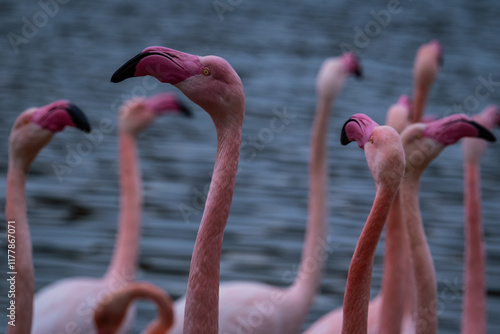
(128, 69)
(482, 132)
(185, 110)
(344, 139)
(358, 73)
(78, 118)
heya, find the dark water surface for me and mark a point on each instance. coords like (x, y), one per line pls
(277, 48)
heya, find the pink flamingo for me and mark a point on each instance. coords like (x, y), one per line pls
(32, 130)
(474, 301)
(111, 311)
(284, 309)
(69, 303)
(422, 143)
(213, 84)
(426, 67)
(385, 158)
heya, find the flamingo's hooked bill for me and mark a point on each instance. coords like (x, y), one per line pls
(128, 69)
(78, 118)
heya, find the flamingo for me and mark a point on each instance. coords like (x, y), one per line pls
(385, 158)
(422, 143)
(32, 130)
(426, 67)
(212, 83)
(397, 117)
(474, 301)
(69, 302)
(111, 311)
(285, 309)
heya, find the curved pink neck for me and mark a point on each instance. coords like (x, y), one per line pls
(202, 296)
(423, 267)
(165, 316)
(305, 287)
(357, 291)
(125, 256)
(15, 211)
(396, 266)
(474, 301)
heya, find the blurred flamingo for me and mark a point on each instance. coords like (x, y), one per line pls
(474, 301)
(425, 70)
(422, 144)
(32, 130)
(70, 302)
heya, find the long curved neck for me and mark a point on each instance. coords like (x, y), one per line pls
(124, 262)
(474, 302)
(22, 279)
(423, 268)
(202, 296)
(357, 291)
(394, 279)
(302, 292)
(164, 319)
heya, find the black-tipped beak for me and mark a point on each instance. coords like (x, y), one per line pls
(359, 73)
(78, 118)
(483, 132)
(127, 70)
(185, 110)
(344, 140)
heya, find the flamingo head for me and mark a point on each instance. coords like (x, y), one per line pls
(474, 148)
(382, 146)
(352, 64)
(423, 142)
(208, 81)
(139, 113)
(34, 128)
(357, 128)
(435, 45)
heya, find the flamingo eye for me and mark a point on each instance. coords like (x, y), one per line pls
(206, 71)
(371, 139)
(420, 136)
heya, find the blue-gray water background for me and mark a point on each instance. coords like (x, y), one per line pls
(277, 48)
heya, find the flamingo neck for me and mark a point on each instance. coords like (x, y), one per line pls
(420, 97)
(15, 211)
(308, 278)
(165, 317)
(357, 292)
(424, 276)
(394, 279)
(474, 301)
(202, 296)
(125, 256)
